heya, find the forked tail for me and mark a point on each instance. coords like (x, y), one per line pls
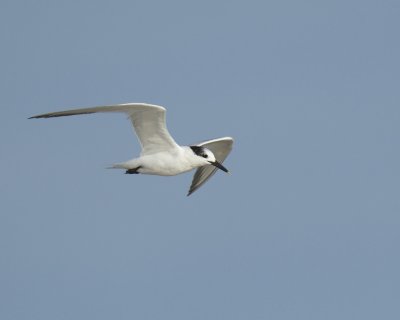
(121, 165)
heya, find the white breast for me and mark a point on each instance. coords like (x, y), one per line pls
(169, 163)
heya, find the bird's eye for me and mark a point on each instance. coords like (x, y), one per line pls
(205, 156)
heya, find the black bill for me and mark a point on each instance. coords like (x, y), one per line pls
(219, 166)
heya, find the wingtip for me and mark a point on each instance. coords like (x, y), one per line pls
(191, 190)
(38, 117)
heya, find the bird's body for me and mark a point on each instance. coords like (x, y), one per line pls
(164, 163)
(160, 154)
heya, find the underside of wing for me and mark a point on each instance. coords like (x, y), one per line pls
(221, 148)
(148, 121)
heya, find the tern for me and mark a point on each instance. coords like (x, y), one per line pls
(160, 154)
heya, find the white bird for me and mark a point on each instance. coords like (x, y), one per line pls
(160, 154)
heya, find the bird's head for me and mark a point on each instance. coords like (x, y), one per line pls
(207, 157)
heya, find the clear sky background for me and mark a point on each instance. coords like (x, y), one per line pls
(306, 227)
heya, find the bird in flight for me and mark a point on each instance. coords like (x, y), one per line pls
(160, 154)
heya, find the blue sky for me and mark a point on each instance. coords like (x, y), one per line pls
(306, 227)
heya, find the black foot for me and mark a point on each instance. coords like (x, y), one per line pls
(133, 171)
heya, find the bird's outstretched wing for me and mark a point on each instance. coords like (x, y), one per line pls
(221, 147)
(148, 121)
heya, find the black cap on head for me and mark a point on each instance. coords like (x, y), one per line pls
(197, 150)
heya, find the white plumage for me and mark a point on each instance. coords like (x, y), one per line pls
(160, 154)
